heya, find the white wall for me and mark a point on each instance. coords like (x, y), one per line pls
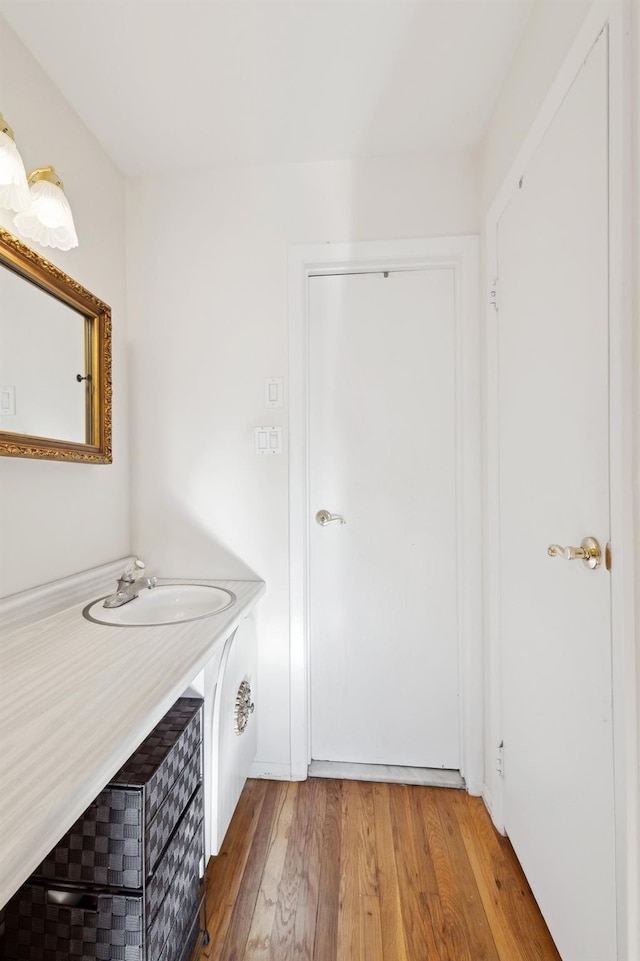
(56, 518)
(545, 41)
(208, 308)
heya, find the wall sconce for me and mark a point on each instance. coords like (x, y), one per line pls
(14, 189)
(43, 213)
(48, 219)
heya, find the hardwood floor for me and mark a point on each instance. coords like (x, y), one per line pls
(329, 870)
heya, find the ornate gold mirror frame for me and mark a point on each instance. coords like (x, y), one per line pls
(96, 378)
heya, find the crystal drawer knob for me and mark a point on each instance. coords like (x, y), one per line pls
(244, 707)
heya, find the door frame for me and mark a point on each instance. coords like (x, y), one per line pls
(311, 260)
(614, 18)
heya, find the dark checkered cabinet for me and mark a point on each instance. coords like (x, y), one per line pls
(124, 882)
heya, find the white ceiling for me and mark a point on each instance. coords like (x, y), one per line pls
(170, 84)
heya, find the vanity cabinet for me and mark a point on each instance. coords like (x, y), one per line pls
(235, 730)
(124, 882)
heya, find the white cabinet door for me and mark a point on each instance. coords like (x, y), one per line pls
(234, 727)
(554, 488)
(383, 595)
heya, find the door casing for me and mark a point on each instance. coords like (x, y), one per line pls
(613, 18)
(305, 261)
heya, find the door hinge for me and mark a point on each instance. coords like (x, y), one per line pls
(493, 295)
(500, 759)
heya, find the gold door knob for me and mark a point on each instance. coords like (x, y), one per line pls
(589, 552)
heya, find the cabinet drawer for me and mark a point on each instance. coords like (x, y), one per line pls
(188, 833)
(161, 828)
(124, 882)
(39, 926)
(36, 929)
(180, 902)
(119, 838)
(158, 763)
(181, 943)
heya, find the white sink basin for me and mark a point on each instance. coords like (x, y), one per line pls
(163, 604)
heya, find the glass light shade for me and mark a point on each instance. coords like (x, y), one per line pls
(48, 220)
(14, 189)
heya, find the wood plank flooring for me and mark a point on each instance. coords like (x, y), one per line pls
(332, 870)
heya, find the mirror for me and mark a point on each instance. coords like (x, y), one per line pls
(55, 361)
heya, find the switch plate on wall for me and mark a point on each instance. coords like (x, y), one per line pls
(7, 400)
(273, 391)
(268, 440)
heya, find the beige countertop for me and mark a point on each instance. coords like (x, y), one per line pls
(76, 699)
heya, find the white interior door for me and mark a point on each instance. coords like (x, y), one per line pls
(382, 455)
(554, 488)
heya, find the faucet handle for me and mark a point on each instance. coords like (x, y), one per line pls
(132, 570)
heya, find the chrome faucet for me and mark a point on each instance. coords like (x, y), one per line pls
(129, 585)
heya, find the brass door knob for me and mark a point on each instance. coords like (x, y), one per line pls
(589, 552)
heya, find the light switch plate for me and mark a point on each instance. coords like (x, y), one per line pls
(268, 440)
(7, 400)
(273, 391)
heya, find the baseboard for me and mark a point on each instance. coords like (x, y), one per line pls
(494, 812)
(387, 774)
(271, 771)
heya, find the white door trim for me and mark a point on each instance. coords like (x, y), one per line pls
(613, 17)
(461, 254)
